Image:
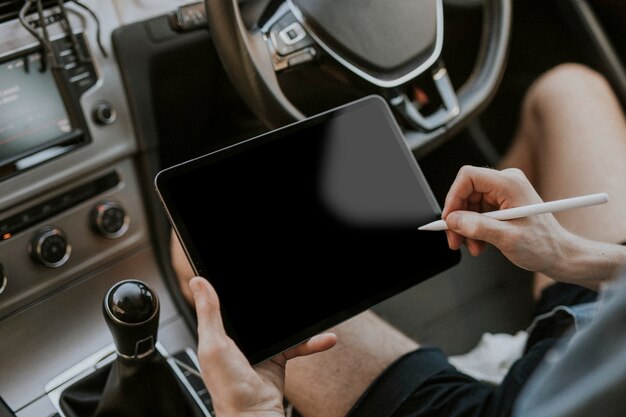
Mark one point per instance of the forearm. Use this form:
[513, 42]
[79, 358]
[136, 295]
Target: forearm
[588, 263]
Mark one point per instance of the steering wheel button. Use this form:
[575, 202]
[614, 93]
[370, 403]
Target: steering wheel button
[292, 34]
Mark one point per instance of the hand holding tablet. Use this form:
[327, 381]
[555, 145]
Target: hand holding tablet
[307, 225]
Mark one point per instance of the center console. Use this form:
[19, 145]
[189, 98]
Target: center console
[73, 217]
[140, 379]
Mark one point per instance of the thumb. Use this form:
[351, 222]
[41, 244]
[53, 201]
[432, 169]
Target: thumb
[210, 324]
[316, 344]
[476, 226]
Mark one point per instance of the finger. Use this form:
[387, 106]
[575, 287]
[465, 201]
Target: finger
[477, 226]
[316, 344]
[455, 240]
[473, 180]
[473, 203]
[475, 247]
[463, 186]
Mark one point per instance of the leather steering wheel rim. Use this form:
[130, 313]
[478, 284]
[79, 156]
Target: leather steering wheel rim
[244, 55]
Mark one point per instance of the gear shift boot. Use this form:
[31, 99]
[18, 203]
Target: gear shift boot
[130, 389]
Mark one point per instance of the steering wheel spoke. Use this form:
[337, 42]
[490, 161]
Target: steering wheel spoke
[448, 110]
[288, 42]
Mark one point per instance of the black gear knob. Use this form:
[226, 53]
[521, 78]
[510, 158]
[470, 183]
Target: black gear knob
[131, 310]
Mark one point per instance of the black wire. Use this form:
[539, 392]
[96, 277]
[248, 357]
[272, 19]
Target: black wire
[22, 18]
[46, 37]
[95, 18]
[44, 41]
[67, 26]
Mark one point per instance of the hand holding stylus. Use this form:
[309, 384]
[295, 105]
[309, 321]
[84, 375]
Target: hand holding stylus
[531, 210]
[532, 242]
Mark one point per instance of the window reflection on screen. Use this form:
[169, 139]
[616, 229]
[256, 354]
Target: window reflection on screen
[32, 112]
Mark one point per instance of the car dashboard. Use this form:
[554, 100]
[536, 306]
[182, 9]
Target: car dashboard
[73, 213]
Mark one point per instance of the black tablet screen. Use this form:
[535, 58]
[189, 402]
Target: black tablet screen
[306, 226]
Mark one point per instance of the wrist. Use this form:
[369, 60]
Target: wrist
[586, 262]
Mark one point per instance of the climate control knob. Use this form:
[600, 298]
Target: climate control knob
[50, 247]
[110, 219]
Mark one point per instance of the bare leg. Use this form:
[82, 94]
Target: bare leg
[572, 141]
[329, 383]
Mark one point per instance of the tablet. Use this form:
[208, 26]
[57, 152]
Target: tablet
[304, 227]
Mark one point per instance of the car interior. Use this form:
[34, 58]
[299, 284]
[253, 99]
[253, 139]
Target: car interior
[98, 96]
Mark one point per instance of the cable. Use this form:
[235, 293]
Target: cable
[22, 18]
[95, 18]
[67, 26]
[45, 39]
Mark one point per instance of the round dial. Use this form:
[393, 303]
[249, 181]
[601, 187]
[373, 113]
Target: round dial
[104, 114]
[50, 247]
[110, 219]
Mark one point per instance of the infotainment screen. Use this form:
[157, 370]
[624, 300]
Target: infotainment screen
[33, 116]
[303, 227]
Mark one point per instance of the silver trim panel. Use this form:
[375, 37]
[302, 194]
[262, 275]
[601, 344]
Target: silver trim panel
[3, 279]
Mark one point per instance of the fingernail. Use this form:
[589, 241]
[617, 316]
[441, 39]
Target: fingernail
[453, 220]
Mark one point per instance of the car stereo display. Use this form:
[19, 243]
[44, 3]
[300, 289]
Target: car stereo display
[33, 116]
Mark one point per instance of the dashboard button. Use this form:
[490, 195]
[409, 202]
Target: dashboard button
[292, 34]
[104, 114]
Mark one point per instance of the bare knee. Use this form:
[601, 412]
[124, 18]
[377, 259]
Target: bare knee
[563, 85]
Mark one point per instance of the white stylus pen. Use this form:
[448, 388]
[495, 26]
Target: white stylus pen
[531, 210]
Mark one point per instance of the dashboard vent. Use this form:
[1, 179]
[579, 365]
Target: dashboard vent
[9, 9]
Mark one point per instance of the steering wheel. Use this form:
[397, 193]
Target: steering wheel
[387, 44]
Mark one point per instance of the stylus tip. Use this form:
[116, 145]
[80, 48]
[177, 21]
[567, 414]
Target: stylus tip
[435, 226]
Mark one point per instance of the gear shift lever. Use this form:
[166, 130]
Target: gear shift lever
[139, 383]
[131, 311]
